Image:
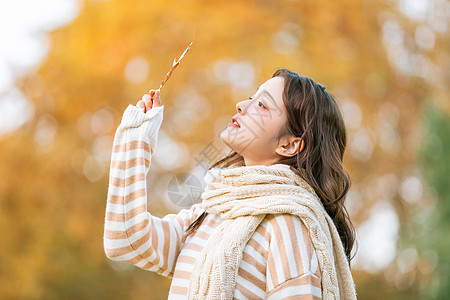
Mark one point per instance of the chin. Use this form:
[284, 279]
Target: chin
[225, 141]
[222, 137]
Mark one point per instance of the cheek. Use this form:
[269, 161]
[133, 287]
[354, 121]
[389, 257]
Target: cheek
[263, 144]
[265, 128]
[269, 132]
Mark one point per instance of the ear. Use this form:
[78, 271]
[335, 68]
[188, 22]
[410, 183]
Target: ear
[290, 146]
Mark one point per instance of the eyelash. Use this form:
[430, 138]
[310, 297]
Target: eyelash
[258, 103]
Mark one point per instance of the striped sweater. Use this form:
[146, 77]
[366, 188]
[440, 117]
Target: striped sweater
[279, 261]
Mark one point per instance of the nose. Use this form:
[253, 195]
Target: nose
[240, 104]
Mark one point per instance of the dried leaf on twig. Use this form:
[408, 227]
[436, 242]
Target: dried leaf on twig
[175, 64]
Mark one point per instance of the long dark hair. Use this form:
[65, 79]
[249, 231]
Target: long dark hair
[315, 117]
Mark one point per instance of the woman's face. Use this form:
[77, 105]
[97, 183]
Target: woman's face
[260, 119]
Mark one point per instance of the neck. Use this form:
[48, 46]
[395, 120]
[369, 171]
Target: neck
[250, 162]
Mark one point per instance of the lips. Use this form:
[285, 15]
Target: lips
[234, 120]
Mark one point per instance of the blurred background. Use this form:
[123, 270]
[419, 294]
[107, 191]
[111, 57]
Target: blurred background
[68, 70]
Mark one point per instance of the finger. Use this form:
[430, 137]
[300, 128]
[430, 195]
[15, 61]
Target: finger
[157, 99]
[152, 95]
[149, 104]
[141, 104]
[147, 101]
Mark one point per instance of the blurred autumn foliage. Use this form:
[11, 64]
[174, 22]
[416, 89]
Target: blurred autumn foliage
[382, 65]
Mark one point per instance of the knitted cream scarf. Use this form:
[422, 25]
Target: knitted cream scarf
[242, 196]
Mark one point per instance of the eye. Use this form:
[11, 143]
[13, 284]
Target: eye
[260, 104]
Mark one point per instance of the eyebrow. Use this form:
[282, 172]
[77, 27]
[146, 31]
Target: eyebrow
[268, 94]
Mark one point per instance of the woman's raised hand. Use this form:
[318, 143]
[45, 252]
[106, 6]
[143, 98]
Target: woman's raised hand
[152, 99]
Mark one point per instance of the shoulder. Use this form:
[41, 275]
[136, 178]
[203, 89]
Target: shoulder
[286, 233]
[186, 215]
[286, 225]
[197, 210]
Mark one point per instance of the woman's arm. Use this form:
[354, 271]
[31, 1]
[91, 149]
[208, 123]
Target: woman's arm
[131, 233]
[292, 266]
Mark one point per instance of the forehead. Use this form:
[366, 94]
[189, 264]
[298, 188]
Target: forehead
[274, 87]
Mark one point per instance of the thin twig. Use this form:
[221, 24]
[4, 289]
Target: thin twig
[175, 64]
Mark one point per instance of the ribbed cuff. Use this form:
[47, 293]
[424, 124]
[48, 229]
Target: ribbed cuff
[135, 116]
[137, 123]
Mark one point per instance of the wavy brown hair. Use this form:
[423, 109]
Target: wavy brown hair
[315, 117]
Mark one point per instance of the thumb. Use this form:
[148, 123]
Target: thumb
[157, 98]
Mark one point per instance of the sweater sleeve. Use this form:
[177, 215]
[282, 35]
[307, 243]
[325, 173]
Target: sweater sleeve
[292, 265]
[131, 233]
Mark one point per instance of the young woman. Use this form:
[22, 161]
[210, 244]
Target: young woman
[271, 223]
